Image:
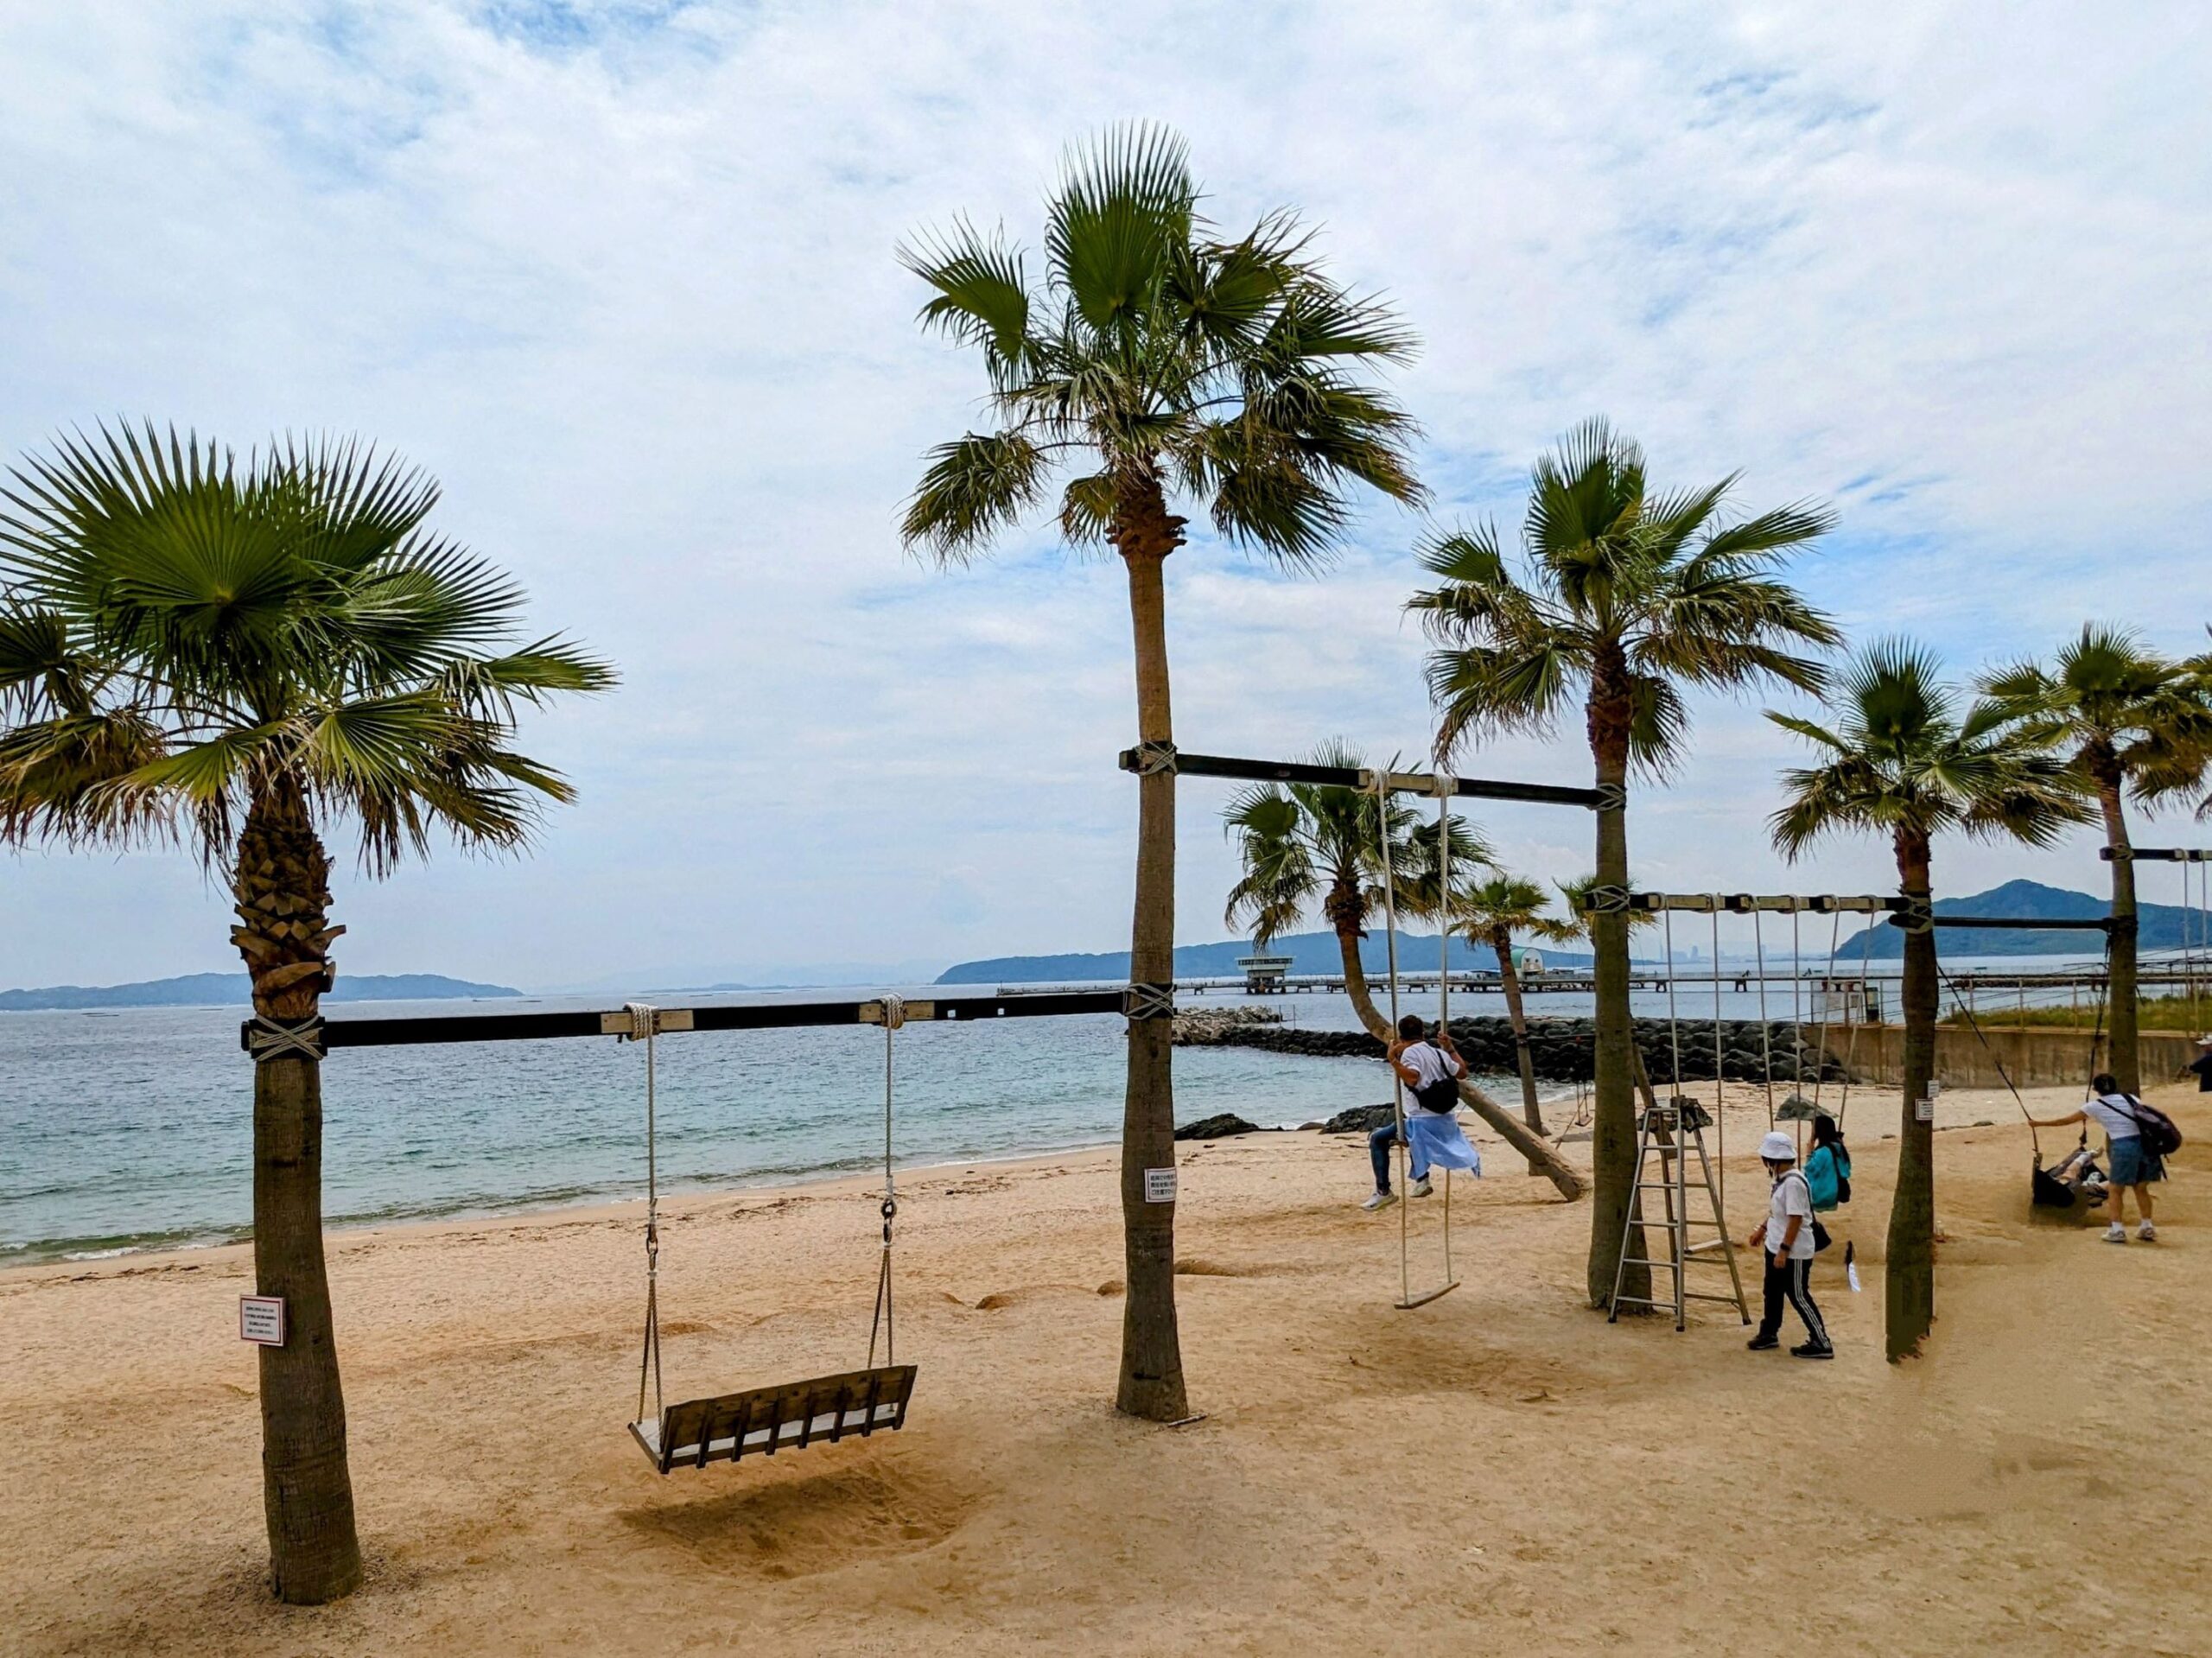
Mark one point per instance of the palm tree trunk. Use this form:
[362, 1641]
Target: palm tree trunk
[1613, 1140]
[1909, 1292]
[1508, 980]
[1151, 1357]
[282, 890]
[1543, 1159]
[2127, 1061]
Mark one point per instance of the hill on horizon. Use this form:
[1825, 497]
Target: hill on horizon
[2162, 926]
[1309, 952]
[232, 990]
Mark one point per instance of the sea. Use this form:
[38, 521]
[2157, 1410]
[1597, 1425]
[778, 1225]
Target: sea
[131, 1130]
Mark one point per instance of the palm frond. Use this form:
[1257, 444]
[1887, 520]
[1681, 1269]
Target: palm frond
[972, 488]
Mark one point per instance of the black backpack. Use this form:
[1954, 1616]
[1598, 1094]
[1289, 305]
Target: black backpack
[1442, 1095]
[2160, 1137]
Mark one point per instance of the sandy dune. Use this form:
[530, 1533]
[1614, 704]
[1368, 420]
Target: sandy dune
[1501, 1467]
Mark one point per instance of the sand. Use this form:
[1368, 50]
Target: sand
[1501, 1469]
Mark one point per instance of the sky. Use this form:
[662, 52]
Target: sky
[622, 276]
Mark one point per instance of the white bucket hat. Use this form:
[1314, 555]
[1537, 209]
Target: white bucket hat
[2205, 1041]
[1778, 1148]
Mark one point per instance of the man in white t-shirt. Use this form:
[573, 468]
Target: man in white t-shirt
[1785, 1240]
[1424, 1064]
[2131, 1168]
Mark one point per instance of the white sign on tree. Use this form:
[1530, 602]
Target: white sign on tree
[261, 1320]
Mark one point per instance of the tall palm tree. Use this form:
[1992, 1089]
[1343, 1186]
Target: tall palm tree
[1491, 909]
[1625, 598]
[1162, 365]
[1899, 757]
[2135, 724]
[246, 654]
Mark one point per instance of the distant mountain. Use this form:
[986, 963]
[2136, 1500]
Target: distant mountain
[1309, 952]
[2161, 926]
[231, 990]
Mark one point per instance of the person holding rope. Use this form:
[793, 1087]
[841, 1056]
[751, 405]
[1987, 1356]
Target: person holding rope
[2131, 1164]
[1431, 1068]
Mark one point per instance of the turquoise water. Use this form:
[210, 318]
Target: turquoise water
[132, 1129]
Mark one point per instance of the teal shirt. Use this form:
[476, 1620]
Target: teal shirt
[1820, 1173]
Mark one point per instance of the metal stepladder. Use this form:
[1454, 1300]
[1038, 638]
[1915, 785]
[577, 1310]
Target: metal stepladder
[1673, 1133]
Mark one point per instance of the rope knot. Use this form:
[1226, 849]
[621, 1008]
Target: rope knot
[271, 1038]
[1149, 759]
[1143, 1001]
[1606, 900]
[1917, 916]
[894, 1012]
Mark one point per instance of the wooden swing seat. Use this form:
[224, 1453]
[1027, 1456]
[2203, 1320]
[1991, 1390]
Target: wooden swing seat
[792, 1415]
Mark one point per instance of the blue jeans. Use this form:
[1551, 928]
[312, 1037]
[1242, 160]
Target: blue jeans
[1378, 1150]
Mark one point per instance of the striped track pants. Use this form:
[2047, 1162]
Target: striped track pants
[1793, 1284]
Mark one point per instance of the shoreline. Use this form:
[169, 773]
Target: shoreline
[338, 1235]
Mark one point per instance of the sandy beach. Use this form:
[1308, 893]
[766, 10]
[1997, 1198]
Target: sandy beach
[1501, 1467]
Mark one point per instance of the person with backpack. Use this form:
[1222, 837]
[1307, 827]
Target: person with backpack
[2138, 1138]
[1430, 1067]
[1827, 1173]
[1785, 1239]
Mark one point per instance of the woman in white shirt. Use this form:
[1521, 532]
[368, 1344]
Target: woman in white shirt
[2129, 1164]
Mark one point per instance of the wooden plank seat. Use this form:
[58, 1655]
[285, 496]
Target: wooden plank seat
[790, 1414]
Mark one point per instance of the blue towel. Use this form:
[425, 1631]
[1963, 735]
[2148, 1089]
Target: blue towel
[1440, 1142]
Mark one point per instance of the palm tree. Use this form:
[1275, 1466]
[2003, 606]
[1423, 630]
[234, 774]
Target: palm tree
[1490, 910]
[244, 654]
[2135, 723]
[1162, 365]
[1900, 758]
[1626, 597]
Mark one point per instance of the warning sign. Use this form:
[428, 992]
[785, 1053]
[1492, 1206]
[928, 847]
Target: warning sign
[261, 1320]
[1160, 1186]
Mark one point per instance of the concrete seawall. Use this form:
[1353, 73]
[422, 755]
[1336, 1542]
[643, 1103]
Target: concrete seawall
[2032, 1056]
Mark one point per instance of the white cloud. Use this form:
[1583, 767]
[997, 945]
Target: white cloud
[620, 276]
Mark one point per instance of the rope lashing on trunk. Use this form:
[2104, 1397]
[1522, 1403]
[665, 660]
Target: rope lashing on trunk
[1606, 900]
[1612, 796]
[894, 1018]
[271, 1038]
[1151, 760]
[1140, 1001]
[1917, 916]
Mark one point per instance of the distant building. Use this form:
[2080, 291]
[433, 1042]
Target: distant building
[1263, 975]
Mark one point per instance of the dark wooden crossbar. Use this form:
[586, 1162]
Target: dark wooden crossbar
[1347, 777]
[759, 1016]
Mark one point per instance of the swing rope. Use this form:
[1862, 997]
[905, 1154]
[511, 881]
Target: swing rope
[1766, 1028]
[645, 1024]
[1445, 788]
[1381, 786]
[894, 1016]
[1719, 1071]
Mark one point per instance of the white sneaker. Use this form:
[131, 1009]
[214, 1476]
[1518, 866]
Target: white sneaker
[1384, 1200]
[2147, 1232]
[2115, 1233]
[1420, 1188]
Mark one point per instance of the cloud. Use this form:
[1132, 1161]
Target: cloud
[620, 275]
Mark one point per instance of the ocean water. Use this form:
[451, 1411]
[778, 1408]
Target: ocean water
[132, 1129]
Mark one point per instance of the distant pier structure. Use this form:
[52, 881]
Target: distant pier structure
[1264, 974]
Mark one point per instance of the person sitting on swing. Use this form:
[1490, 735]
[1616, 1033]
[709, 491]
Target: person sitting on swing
[2132, 1167]
[1430, 1067]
